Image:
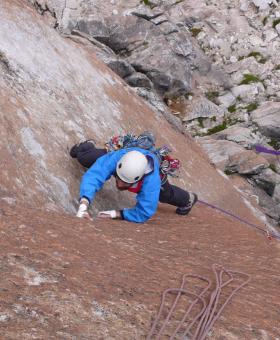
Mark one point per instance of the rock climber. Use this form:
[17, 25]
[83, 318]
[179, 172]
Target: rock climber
[136, 170]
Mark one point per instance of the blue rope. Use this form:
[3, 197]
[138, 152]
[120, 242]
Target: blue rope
[266, 232]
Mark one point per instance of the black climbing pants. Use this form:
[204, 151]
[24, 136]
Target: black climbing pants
[86, 154]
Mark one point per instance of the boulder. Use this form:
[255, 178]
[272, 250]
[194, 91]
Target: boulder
[273, 212]
[168, 27]
[125, 36]
[250, 65]
[267, 118]
[200, 107]
[270, 35]
[170, 71]
[201, 115]
[269, 205]
[248, 92]
[246, 163]
[219, 151]
[226, 99]
[241, 135]
[120, 67]
[262, 4]
[138, 79]
[96, 29]
[141, 43]
[268, 180]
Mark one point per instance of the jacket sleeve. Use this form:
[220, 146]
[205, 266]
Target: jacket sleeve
[98, 174]
[147, 200]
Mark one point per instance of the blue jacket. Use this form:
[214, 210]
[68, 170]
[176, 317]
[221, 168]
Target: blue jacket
[105, 166]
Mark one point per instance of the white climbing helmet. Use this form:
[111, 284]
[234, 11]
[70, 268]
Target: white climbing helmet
[132, 167]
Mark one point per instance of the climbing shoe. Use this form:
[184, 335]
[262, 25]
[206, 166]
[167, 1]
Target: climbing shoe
[74, 150]
[185, 210]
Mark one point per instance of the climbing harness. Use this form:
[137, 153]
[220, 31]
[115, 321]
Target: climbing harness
[197, 326]
[168, 166]
[267, 233]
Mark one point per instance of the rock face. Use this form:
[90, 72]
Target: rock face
[65, 278]
[51, 100]
[220, 70]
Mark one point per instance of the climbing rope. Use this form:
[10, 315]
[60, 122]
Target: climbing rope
[203, 321]
[180, 291]
[260, 148]
[269, 234]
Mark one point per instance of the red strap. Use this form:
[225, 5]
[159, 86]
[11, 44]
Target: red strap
[136, 187]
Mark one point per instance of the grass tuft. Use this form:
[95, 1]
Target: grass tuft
[232, 108]
[212, 95]
[195, 31]
[249, 78]
[251, 107]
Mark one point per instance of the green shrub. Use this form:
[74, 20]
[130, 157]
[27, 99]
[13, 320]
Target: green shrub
[258, 56]
[232, 108]
[249, 78]
[275, 143]
[275, 23]
[251, 107]
[217, 128]
[226, 123]
[148, 3]
[212, 95]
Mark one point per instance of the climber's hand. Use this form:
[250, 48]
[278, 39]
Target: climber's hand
[83, 209]
[114, 214]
